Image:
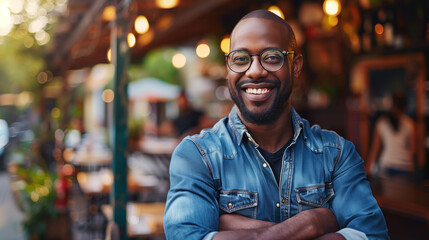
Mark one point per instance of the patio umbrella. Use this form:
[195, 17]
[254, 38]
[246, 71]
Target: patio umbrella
[152, 89]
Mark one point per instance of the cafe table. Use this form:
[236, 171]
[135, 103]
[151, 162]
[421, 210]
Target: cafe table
[144, 220]
[405, 205]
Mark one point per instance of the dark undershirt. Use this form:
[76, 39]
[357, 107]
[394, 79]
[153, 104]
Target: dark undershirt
[275, 159]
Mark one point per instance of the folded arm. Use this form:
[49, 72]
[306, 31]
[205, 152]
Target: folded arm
[308, 224]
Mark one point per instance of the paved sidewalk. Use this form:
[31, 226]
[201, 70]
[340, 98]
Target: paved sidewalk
[10, 216]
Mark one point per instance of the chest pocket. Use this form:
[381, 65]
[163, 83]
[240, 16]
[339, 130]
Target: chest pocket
[314, 196]
[239, 201]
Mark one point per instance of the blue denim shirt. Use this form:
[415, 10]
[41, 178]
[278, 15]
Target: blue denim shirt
[221, 171]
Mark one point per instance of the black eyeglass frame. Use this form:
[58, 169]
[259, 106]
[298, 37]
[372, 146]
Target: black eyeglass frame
[259, 58]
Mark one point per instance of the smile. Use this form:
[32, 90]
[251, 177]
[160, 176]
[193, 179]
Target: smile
[257, 91]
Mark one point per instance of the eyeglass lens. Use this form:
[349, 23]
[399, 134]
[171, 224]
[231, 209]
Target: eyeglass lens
[270, 59]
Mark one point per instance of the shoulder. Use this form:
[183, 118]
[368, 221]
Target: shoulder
[218, 138]
[320, 138]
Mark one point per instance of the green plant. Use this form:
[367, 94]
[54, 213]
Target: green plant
[36, 193]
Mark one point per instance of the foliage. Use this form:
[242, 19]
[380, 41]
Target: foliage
[19, 66]
[157, 64]
[37, 196]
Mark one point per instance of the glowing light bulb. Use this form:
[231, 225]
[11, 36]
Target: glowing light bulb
[332, 7]
[109, 55]
[167, 3]
[141, 24]
[203, 50]
[131, 39]
[225, 44]
[179, 60]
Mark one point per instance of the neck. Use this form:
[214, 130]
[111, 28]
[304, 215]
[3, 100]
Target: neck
[271, 137]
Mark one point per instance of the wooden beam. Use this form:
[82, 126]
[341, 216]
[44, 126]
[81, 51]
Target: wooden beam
[81, 29]
[183, 20]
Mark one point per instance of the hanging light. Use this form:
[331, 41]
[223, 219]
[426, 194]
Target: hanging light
[131, 39]
[109, 13]
[276, 10]
[178, 60]
[109, 55]
[203, 50]
[379, 29]
[167, 3]
[108, 95]
[225, 44]
[141, 24]
[332, 7]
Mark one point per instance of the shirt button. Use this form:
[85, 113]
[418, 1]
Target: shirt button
[283, 200]
[277, 204]
[250, 139]
[230, 205]
[264, 165]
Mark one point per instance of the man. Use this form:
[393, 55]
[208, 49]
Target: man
[262, 172]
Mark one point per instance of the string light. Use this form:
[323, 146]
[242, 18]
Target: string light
[141, 24]
[109, 13]
[225, 44]
[332, 7]
[131, 39]
[109, 55]
[178, 60]
[203, 50]
[167, 3]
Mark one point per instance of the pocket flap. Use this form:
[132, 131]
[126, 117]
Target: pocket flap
[315, 195]
[234, 200]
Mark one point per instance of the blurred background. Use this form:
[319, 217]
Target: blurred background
[95, 95]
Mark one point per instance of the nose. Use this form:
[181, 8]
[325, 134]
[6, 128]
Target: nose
[256, 70]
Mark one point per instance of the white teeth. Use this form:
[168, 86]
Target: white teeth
[257, 90]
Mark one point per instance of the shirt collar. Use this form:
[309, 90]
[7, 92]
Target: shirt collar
[240, 130]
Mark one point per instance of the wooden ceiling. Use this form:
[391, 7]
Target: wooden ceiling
[82, 38]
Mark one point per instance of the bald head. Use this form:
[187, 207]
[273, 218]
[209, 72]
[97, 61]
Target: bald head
[267, 15]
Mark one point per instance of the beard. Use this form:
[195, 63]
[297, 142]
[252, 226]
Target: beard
[271, 114]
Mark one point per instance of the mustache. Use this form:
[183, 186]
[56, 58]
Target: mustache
[239, 84]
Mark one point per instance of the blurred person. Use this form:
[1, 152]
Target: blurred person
[393, 146]
[190, 120]
[263, 172]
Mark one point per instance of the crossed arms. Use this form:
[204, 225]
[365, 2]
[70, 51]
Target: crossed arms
[318, 223]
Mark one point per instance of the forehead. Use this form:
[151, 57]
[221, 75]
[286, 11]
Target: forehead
[257, 34]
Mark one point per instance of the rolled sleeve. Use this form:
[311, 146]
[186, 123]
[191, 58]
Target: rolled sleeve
[352, 234]
[192, 210]
[354, 205]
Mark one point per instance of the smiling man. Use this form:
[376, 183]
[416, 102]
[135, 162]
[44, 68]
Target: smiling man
[263, 172]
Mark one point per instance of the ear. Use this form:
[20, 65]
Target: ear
[298, 61]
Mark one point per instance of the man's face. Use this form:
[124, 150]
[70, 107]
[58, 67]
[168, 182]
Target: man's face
[261, 96]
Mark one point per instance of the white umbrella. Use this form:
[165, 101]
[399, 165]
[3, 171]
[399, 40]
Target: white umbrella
[152, 88]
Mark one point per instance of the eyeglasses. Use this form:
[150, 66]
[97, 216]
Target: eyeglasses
[271, 59]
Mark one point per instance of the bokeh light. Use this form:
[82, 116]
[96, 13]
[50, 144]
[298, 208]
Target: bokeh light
[225, 44]
[167, 3]
[5, 19]
[109, 55]
[108, 95]
[332, 7]
[379, 29]
[55, 112]
[141, 24]
[109, 13]
[203, 50]
[179, 60]
[131, 39]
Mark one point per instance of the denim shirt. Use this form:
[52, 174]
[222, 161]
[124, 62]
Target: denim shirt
[221, 171]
